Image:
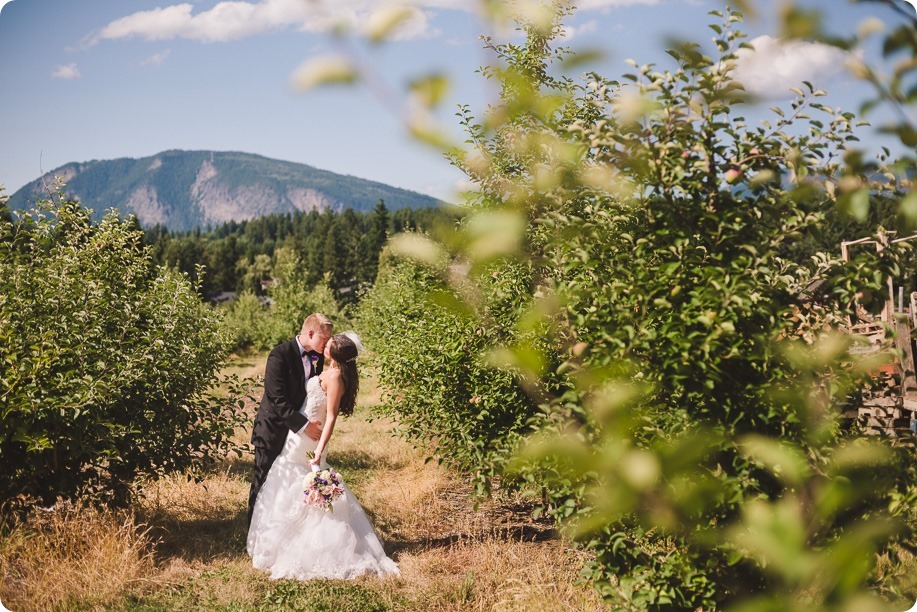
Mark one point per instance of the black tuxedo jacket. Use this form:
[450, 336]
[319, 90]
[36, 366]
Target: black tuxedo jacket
[284, 393]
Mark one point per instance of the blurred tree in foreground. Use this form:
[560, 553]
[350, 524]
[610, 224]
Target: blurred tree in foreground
[675, 380]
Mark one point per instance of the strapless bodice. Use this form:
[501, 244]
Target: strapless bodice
[314, 408]
[298, 448]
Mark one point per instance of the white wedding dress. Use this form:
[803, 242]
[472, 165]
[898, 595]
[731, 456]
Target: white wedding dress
[291, 539]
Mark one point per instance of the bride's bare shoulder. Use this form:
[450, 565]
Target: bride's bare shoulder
[331, 374]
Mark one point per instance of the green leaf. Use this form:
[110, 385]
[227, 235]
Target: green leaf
[430, 90]
[908, 208]
[855, 204]
[494, 234]
[325, 70]
[783, 460]
[383, 22]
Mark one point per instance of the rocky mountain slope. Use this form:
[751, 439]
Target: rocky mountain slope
[187, 189]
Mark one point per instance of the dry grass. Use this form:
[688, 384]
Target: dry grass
[452, 555]
[71, 556]
[196, 521]
[183, 544]
[496, 574]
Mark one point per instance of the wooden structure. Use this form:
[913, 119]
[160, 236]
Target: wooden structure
[889, 409]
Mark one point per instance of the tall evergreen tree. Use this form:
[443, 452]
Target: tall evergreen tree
[375, 240]
[333, 264]
[222, 255]
[351, 250]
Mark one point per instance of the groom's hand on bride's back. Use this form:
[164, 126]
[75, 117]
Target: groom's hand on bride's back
[313, 430]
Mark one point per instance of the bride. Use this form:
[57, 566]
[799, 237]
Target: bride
[291, 539]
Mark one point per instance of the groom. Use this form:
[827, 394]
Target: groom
[289, 366]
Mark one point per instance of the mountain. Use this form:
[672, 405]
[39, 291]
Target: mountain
[184, 190]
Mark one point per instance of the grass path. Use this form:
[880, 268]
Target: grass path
[183, 546]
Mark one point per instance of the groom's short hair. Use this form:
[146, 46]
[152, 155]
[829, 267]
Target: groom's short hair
[317, 322]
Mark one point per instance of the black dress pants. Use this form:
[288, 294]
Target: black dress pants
[264, 459]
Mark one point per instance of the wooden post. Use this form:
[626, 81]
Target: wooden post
[888, 312]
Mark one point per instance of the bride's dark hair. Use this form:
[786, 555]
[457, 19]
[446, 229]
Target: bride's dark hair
[344, 352]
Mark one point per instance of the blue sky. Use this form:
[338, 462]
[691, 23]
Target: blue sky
[101, 79]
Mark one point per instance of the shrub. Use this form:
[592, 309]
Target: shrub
[430, 357]
[106, 361]
[293, 298]
[246, 318]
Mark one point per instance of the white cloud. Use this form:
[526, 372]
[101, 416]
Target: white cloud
[225, 21]
[472, 5]
[69, 71]
[236, 19]
[463, 185]
[776, 65]
[592, 5]
[588, 26]
[572, 31]
[157, 58]
[416, 26]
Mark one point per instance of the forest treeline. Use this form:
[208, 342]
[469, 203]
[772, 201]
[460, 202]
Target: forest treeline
[340, 248]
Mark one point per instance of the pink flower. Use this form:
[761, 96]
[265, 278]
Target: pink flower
[321, 488]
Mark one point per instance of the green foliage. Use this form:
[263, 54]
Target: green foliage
[5, 214]
[293, 299]
[893, 79]
[260, 323]
[626, 262]
[248, 322]
[107, 362]
[376, 237]
[430, 358]
[896, 88]
[251, 273]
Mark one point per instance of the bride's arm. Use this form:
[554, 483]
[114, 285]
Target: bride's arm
[334, 392]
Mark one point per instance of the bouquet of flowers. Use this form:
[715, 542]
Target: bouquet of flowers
[322, 488]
